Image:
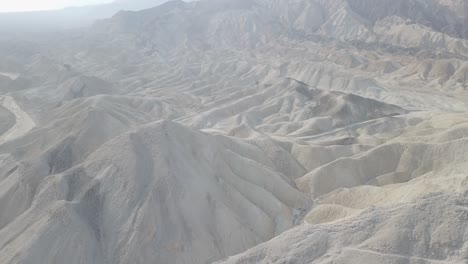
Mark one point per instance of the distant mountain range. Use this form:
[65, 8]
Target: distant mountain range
[68, 18]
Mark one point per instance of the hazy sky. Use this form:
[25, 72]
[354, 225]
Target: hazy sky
[29, 5]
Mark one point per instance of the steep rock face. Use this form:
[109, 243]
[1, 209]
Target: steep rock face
[175, 23]
[252, 23]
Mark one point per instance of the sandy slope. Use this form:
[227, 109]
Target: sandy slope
[410, 176]
[161, 192]
[419, 232]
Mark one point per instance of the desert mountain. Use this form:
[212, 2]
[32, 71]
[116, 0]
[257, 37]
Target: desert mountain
[238, 131]
[185, 186]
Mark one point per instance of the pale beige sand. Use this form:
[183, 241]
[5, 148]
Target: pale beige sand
[239, 131]
[23, 123]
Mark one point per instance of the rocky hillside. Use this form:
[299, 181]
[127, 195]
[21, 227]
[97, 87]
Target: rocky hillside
[239, 131]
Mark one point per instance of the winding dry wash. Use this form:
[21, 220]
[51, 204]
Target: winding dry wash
[236, 132]
[23, 122]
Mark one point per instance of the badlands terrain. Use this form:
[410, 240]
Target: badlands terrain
[239, 131]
